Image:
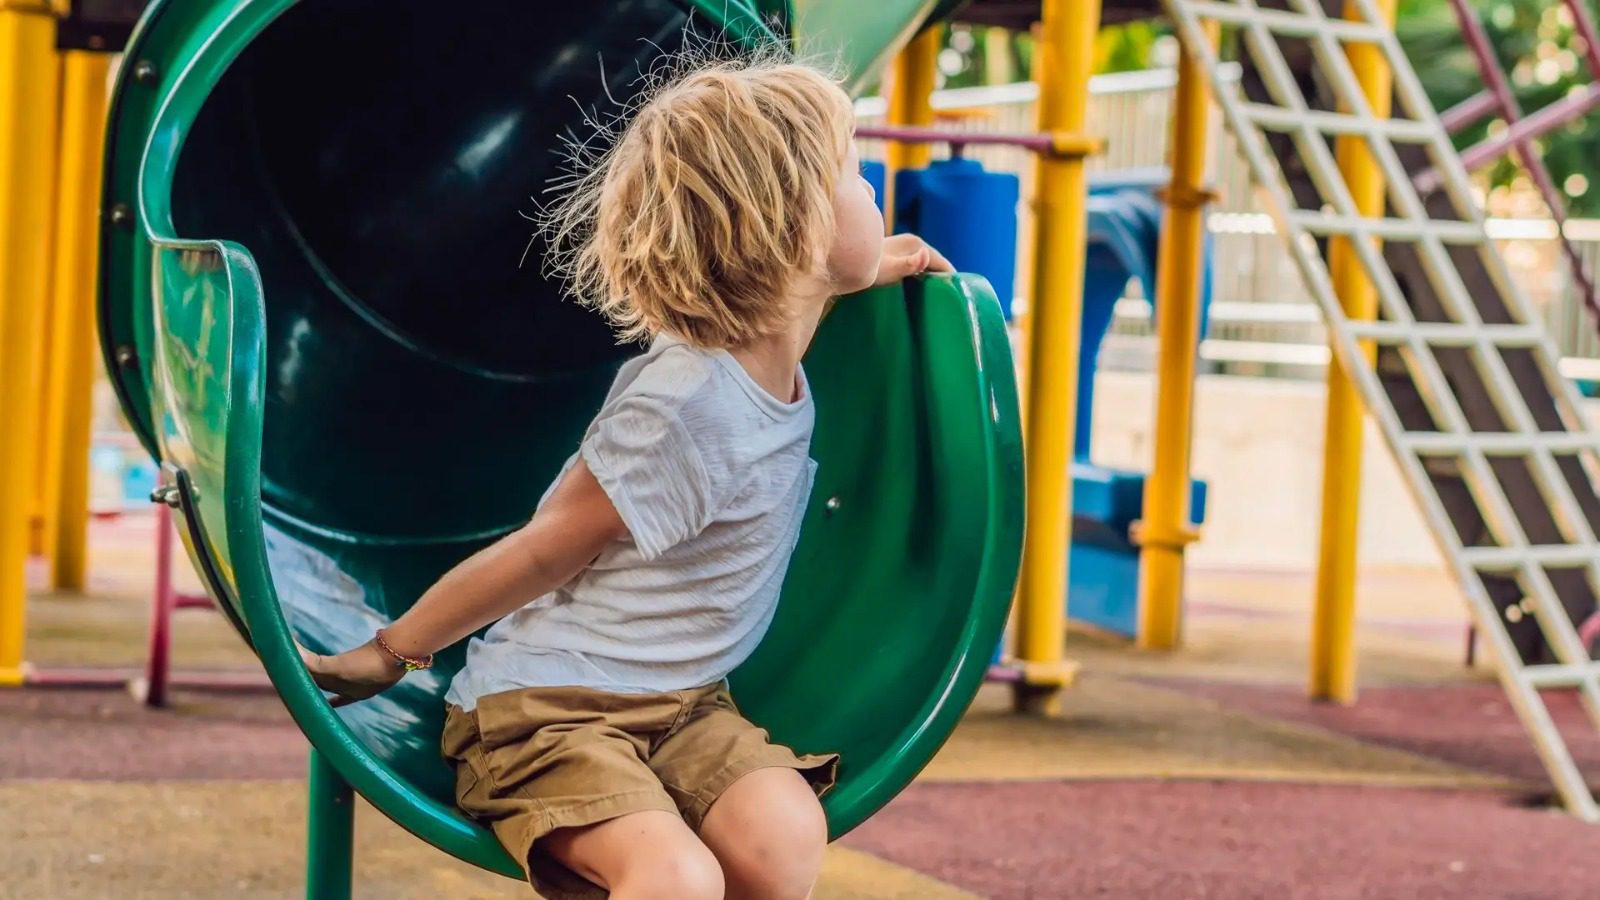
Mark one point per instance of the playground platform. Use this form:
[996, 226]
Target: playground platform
[1203, 773]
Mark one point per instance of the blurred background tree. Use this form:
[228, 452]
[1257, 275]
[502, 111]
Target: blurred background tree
[978, 55]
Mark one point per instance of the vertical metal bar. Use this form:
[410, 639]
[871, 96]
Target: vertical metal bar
[1583, 24]
[1488, 64]
[72, 359]
[1333, 628]
[29, 85]
[1055, 309]
[913, 78]
[1166, 528]
[330, 829]
[163, 602]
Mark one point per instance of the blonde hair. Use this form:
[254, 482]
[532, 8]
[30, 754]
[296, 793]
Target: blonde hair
[715, 196]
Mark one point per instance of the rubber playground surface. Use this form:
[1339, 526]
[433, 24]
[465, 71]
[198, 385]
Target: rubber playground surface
[1203, 774]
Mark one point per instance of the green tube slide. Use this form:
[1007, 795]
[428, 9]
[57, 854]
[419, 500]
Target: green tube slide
[322, 314]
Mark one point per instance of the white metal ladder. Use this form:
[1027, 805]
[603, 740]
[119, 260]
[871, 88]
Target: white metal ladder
[1464, 383]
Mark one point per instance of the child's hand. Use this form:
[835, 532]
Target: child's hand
[905, 255]
[353, 675]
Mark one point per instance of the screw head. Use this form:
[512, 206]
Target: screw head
[145, 72]
[832, 506]
[125, 356]
[121, 215]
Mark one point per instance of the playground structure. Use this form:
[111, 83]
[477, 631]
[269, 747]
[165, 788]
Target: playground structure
[283, 528]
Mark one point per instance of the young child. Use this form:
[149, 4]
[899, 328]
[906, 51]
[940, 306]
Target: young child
[591, 727]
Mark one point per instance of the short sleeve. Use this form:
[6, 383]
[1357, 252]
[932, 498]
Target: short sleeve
[647, 463]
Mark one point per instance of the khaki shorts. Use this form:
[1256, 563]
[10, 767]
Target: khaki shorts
[529, 762]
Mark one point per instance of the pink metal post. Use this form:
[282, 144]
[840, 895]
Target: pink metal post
[154, 684]
[911, 134]
[158, 659]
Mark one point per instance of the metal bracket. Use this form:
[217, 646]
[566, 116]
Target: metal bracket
[1068, 145]
[1059, 674]
[1143, 535]
[1178, 196]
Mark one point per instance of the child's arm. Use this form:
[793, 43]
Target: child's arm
[564, 537]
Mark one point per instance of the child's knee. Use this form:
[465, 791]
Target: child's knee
[782, 856]
[804, 836]
[671, 873]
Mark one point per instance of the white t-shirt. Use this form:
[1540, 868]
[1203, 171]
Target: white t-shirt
[711, 475]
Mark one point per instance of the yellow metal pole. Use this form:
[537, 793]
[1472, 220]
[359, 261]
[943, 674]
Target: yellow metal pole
[28, 107]
[40, 524]
[1027, 262]
[1166, 529]
[37, 513]
[65, 468]
[1055, 309]
[1333, 627]
[912, 80]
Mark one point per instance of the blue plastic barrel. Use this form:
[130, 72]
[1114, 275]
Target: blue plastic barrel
[876, 174]
[968, 213]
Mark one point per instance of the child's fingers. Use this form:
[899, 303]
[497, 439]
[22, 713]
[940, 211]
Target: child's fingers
[894, 267]
[937, 262]
[312, 661]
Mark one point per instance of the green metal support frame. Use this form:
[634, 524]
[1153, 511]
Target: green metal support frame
[330, 831]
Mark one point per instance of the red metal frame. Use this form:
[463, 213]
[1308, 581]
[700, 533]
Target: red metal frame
[912, 134]
[153, 684]
[1498, 99]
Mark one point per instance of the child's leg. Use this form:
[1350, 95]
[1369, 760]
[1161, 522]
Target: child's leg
[641, 855]
[768, 832]
[754, 803]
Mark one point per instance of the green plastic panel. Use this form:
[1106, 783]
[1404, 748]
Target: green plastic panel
[861, 36]
[319, 315]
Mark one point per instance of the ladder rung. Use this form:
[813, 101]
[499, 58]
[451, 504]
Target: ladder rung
[1443, 334]
[1510, 443]
[1500, 559]
[1332, 224]
[1389, 334]
[1277, 118]
[1559, 676]
[1288, 23]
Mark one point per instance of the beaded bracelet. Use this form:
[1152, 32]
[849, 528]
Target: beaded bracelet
[401, 661]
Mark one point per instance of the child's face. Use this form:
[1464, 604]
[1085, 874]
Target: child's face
[858, 230]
